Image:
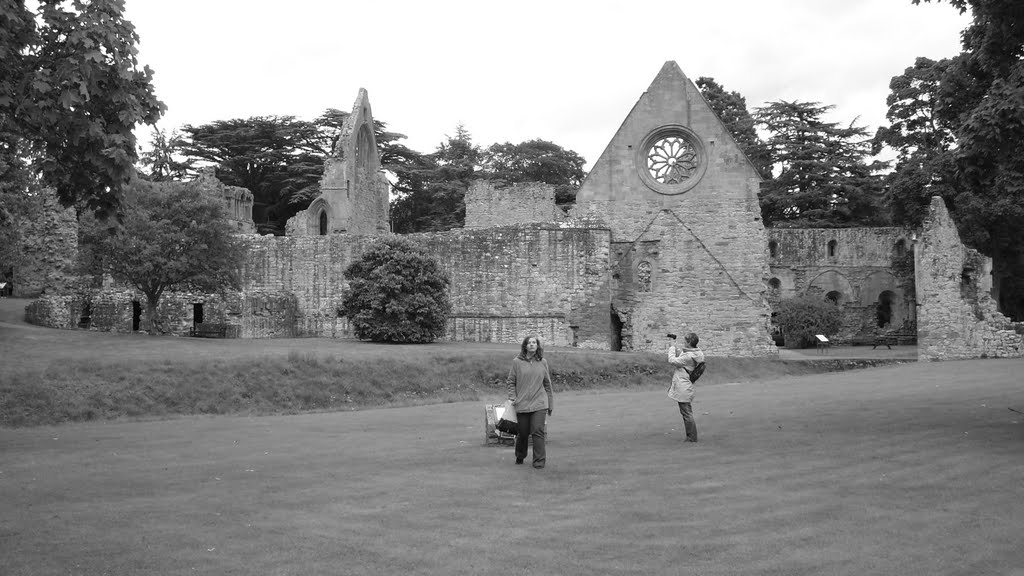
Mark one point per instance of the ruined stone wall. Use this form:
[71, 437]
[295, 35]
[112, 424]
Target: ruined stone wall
[701, 211]
[48, 250]
[957, 317]
[488, 206]
[855, 265]
[512, 281]
[506, 282]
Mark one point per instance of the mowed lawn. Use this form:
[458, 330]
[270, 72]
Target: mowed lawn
[911, 469]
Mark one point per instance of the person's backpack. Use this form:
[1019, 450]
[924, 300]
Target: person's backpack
[697, 371]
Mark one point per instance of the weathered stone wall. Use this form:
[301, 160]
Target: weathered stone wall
[506, 282]
[237, 202]
[957, 317]
[855, 265]
[700, 236]
[48, 250]
[489, 206]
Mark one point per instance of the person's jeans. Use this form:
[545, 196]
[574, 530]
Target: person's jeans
[691, 426]
[531, 424]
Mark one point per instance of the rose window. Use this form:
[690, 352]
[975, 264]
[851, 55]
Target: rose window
[672, 160]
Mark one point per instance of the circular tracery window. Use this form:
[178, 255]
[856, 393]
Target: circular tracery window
[671, 160]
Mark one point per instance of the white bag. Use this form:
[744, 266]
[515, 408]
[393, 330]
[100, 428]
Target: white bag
[507, 423]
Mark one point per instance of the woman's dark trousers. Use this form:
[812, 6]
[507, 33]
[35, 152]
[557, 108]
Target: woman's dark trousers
[531, 425]
[691, 426]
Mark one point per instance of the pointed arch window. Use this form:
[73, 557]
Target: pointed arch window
[323, 223]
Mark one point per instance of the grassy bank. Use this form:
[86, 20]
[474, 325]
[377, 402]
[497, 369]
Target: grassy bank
[351, 377]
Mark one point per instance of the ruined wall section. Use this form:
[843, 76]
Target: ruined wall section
[490, 205]
[858, 264]
[710, 270]
[517, 280]
[238, 202]
[353, 190]
[506, 282]
[48, 248]
[957, 317]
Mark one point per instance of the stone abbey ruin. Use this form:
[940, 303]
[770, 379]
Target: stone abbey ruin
[665, 236]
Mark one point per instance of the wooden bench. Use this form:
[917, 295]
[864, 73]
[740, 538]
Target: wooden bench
[887, 340]
[209, 330]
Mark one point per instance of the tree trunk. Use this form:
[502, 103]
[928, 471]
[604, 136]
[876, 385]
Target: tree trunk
[155, 323]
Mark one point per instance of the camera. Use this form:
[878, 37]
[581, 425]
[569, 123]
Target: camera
[672, 336]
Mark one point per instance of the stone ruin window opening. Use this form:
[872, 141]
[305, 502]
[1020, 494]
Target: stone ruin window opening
[323, 223]
[883, 312]
[643, 276]
[773, 249]
[832, 248]
[774, 285]
[900, 249]
[197, 313]
[834, 297]
[136, 315]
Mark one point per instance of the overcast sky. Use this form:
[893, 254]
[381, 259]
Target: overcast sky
[511, 71]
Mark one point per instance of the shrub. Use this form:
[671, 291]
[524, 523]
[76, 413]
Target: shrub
[802, 317]
[397, 293]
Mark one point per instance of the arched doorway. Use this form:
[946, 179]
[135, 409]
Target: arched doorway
[883, 310]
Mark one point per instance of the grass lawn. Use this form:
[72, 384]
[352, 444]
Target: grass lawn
[910, 469]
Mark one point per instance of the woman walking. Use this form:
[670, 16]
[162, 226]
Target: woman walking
[529, 389]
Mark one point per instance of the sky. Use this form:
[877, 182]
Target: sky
[564, 71]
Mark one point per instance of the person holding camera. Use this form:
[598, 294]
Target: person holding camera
[682, 389]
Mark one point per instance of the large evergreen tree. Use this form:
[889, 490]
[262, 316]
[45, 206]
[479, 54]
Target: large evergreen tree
[823, 176]
[432, 192]
[731, 108]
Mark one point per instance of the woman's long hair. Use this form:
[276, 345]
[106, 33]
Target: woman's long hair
[539, 355]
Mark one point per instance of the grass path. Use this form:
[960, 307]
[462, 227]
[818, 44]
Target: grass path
[911, 469]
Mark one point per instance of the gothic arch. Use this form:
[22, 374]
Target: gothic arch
[320, 217]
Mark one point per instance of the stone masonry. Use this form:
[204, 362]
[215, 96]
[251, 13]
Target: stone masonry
[857, 268]
[680, 199]
[957, 317]
[488, 205]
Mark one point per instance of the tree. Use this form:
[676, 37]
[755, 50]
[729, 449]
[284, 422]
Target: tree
[280, 159]
[72, 92]
[922, 139]
[397, 293]
[731, 108]
[437, 185]
[981, 95]
[171, 237]
[537, 161]
[161, 159]
[801, 318]
[823, 177]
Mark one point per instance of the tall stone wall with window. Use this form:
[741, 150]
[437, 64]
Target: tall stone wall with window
[867, 272]
[680, 199]
[957, 317]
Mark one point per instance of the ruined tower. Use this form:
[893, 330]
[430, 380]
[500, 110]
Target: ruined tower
[353, 191]
[688, 245]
